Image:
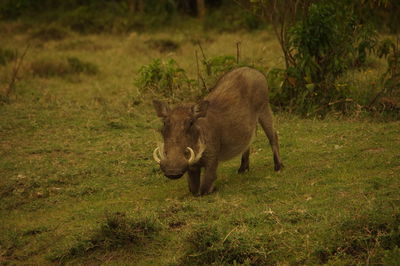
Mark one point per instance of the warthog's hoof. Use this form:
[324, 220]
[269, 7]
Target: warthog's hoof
[278, 167]
[242, 170]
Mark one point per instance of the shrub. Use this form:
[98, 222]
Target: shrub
[320, 48]
[165, 78]
[387, 101]
[219, 65]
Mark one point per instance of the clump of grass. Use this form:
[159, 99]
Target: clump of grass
[116, 231]
[78, 66]
[47, 68]
[50, 33]
[208, 245]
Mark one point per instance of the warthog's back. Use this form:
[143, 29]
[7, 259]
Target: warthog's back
[239, 88]
[235, 104]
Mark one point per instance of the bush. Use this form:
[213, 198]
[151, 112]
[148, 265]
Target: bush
[165, 78]
[387, 101]
[322, 46]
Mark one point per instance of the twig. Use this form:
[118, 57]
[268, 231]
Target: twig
[198, 68]
[204, 59]
[237, 52]
[378, 95]
[16, 68]
[199, 76]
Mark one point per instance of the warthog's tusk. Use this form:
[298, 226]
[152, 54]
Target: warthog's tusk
[155, 156]
[192, 156]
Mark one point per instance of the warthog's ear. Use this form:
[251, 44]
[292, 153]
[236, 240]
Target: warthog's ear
[200, 109]
[162, 108]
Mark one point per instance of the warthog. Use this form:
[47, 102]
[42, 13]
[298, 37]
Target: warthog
[218, 128]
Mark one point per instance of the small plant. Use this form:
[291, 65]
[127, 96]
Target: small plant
[219, 65]
[165, 78]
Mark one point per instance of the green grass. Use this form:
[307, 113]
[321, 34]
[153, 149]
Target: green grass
[78, 184]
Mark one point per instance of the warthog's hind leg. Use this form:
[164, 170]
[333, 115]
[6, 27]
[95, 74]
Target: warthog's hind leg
[266, 121]
[244, 164]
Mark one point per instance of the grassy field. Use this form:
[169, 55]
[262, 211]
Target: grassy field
[78, 184]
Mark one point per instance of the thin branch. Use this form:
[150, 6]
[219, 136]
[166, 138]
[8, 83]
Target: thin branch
[204, 59]
[237, 52]
[198, 68]
[199, 76]
[16, 68]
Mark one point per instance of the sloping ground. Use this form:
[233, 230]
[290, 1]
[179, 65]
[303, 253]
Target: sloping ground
[78, 184]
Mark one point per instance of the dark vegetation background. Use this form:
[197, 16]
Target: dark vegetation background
[77, 130]
[323, 42]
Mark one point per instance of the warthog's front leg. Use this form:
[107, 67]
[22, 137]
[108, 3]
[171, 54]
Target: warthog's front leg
[244, 164]
[210, 174]
[194, 179]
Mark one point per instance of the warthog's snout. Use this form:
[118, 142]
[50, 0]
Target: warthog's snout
[175, 166]
[174, 176]
[173, 173]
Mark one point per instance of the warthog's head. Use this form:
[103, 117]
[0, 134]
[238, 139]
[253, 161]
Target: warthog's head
[181, 137]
